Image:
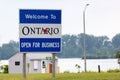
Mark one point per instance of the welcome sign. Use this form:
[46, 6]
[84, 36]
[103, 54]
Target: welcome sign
[40, 30]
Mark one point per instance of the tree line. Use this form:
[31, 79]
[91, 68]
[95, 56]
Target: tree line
[72, 47]
[96, 47]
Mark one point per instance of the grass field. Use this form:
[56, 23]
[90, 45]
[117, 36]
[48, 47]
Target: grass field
[64, 76]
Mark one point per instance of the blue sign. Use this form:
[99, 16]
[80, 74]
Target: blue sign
[40, 45]
[40, 30]
[40, 16]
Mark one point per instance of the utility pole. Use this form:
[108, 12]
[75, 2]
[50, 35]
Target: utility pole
[84, 37]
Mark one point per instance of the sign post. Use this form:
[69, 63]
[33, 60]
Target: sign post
[53, 66]
[24, 66]
[40, 31]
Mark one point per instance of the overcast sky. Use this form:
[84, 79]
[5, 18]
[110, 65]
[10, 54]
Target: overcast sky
[102, 16]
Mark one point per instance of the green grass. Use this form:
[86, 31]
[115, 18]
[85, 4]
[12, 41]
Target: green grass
[64, 76]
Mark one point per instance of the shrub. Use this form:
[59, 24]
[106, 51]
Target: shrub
[115, 70]
[78, 67]
[5, 67]
[66, 71]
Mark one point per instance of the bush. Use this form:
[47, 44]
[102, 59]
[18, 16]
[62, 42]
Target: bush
[78, 67]
[115, 70]
[5, 67]
[66, 71]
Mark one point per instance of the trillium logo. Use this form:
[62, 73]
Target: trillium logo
[39, 30]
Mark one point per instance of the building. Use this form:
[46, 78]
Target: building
[35, 63]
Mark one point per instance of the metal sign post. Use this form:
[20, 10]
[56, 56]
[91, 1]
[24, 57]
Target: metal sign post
[24, 66]
[53, 66]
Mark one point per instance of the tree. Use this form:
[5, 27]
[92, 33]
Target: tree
[72, 47]
[0, 53]
[28, 66]
[7, 50]
[118, 56]
[116, 41]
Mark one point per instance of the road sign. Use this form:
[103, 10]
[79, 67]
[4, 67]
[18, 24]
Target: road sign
[40, 30]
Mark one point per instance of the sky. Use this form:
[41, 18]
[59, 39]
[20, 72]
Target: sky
[102, 16]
